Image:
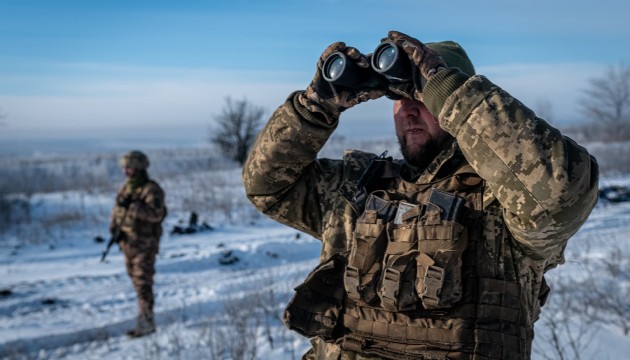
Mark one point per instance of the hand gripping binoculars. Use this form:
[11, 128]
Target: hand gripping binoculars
[389, 65]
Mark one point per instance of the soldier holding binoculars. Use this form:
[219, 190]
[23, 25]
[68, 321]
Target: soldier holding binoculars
[441, 254]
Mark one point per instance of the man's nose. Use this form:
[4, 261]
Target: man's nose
[410, 107]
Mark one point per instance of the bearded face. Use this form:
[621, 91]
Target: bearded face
[420, 156]
[419, 134]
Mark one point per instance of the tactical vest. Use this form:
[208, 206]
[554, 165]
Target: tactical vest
[415, 283]
[132, 226]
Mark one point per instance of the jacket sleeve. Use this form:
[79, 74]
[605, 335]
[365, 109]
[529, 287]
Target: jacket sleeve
[283, 177]
[545, 182]
[117, 211]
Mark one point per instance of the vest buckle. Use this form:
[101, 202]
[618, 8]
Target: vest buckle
[351, 282]
[433, 281]
[390, 288]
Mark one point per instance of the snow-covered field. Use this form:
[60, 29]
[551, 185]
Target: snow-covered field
[64, 303]
[58, 301]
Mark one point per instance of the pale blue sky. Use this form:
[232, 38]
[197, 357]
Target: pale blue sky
[163, 68]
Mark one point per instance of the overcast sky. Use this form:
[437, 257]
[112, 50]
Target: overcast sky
[164, 68]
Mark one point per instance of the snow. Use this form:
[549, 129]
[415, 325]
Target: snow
[61, 302]
[94, 302]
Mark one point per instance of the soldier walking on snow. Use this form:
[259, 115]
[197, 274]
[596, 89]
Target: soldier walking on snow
[439, 255]
[137, 216]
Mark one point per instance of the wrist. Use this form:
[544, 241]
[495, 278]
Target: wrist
[435, 70]
[316, 110]
[440, 85]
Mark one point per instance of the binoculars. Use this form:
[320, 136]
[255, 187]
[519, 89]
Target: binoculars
[389, 65]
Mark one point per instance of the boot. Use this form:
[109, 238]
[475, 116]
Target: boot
[144, 326]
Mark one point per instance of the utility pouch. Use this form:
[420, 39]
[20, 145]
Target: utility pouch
[441, 242]
[397, 287]
[368, 244]
[315, 307]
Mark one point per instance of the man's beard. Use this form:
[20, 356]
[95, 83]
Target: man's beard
[421, 156]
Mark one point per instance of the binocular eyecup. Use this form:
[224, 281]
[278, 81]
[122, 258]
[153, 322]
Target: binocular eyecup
[389, 65]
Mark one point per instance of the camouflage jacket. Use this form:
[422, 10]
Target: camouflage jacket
[544, 184]
[141, 222]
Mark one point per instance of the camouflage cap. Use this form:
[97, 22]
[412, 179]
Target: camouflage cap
[135, 159]
[454, 55]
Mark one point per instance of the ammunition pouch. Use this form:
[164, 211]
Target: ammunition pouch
[316, 305]
[403, 255]
[440, 245]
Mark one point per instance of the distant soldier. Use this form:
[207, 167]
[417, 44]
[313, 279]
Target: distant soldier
[441, 254]
[137, 216]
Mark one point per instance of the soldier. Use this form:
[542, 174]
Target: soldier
[138, 214]
[440, 255]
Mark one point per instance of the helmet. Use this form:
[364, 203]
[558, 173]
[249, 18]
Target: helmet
[135, 159]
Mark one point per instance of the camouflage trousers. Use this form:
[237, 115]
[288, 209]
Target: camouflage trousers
[140, 265]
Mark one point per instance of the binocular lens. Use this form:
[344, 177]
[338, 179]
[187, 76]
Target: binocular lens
[392, 62]
[386, 58]
[340, 70]
[334, 67]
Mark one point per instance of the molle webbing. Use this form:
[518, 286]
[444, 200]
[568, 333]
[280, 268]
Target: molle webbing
[467, 328]
[395, 350]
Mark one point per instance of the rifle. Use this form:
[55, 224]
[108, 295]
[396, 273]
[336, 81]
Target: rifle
[116, 237]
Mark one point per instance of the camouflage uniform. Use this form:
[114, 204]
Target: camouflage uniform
[140, 226]
[527, 188]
